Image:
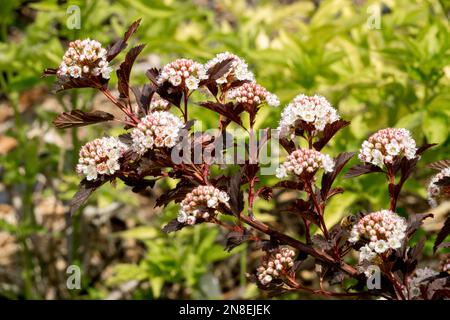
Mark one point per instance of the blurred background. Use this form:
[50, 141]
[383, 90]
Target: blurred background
[379, 63]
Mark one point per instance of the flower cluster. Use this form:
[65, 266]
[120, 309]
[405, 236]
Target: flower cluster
[434, 190]
[238, 70]
[201, 202]
[387, 145]
[157, 129]
[183, 72]
[315, 110]
[383, 229]
[159, 104]
[100, 156]
[305, 160]
[85, 58]
[274, 263]
[420, 276]
[253, 94]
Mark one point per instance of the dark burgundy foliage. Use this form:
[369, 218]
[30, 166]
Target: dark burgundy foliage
[124, 71]
[330, 130]
[443, 233]
[121, 44]
[304, 208]
[85, 189]
[360, 169]
[78, 118]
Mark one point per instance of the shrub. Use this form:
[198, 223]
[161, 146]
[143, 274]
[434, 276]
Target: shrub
[159, 145]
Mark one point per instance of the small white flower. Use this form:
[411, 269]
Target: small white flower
[212, 203]
[281, 172]
[182, 216]
[90, 172]
[394, 243]
[192, 83]
[381, 246]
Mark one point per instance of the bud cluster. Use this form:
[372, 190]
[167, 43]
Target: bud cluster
[238, 70]
[85, 58]
[383, 229]
[304, 161]
[201, 202]
[434, 190]
[274, 264]
[253, 94]
[315, 110]
[100, 156]
[387, 145]
[159, 104]
[183, 72]
[157, 129]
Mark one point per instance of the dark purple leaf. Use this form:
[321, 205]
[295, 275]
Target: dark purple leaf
[119, 45]
[236, 238]
[176, 194]
[218, 70]
[361, 169]
[415, 221]
[124, 71]
[425, 147]
[443, 233]
[78, 118]
[235, 193]
[288, 145]
[228, 110]
[144, 97]
[439, 165]
[173, 226]
[339, 162]
[85, 189]
[330, 130]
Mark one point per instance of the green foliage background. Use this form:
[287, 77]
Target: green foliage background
[397, 75]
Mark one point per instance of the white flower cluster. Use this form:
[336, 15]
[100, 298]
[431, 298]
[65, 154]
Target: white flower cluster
[305, 160]
[157, 129]
[387, 145]
[274, 263]
[238, 71]
[100, 156]
[183, 72]
[315, 110]
[383, 229]
[201, 202]
[434, 190]
[253, 94]
[420, 276]
[159, 104]
[85, 58]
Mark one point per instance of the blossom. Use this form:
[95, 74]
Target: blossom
[253, 95]
[238, 68]
[100, 157]
[159, 104]
[420, 276]
[183, 72]
[202, 202]
[433, 189]
[274, 264]
[305, 161]
[157, 129]
[85, 58]
[315, 110]
[383, 229]
[387, 145]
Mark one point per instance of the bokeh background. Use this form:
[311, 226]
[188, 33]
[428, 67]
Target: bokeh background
[379, 63]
